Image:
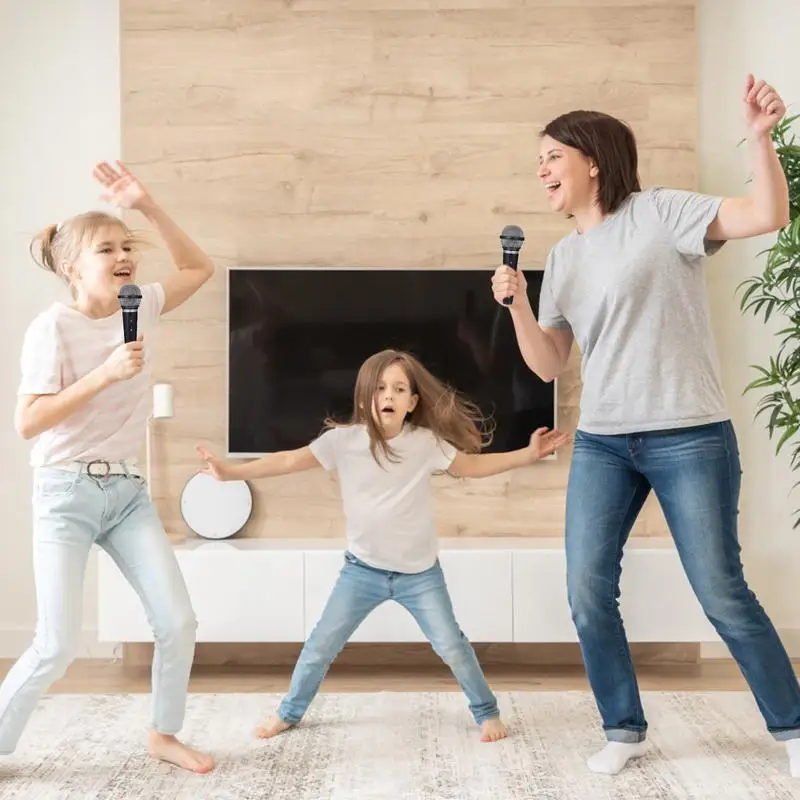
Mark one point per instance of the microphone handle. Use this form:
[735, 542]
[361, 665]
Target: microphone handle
[129, 324]
[510, 259]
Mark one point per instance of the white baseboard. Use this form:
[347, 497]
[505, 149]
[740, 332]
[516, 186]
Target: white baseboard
[15, 641]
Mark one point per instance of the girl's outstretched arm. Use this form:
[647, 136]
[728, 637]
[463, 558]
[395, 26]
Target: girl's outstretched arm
[267, 466]
[482, 465]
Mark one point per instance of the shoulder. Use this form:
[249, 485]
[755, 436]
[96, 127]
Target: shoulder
[153, 297]
[49, 321]
[562, 252]
[342, 434]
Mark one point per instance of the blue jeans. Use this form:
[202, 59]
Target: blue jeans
[696, 475]
[360, 589]
[73, 511]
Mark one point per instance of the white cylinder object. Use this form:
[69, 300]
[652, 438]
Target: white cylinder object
[163, 407]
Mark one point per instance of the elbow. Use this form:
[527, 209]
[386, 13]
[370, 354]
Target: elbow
[548, 376]
[780, 217]
[206, 270]
[25, 428]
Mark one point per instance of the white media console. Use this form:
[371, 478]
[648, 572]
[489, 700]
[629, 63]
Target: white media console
[503, 590]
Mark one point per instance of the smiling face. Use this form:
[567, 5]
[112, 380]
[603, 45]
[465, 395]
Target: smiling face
[393, 399]
[569, 176]
[105, 263]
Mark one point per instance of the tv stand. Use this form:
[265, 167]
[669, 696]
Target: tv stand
[503, 590]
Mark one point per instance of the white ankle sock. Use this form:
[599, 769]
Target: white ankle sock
[793, 749]
[615, 755]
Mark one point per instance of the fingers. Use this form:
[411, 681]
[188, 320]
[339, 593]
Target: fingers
[748, 85]
[105, 174]
[505, 283]
[757, 86]
[205, 453]
[124, 170]
[760, 93]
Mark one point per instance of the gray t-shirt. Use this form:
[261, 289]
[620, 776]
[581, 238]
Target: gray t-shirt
[633, 292]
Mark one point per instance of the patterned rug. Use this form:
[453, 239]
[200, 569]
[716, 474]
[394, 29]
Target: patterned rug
[398, 746]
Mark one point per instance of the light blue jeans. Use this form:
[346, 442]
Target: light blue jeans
[72, 511]
[360, 589]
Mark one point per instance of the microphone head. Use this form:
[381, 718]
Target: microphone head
[512, 238]
[129, 296]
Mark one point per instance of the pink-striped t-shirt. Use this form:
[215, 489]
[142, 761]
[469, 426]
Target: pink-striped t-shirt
[61, 346]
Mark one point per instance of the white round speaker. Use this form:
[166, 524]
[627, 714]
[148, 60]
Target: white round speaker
[215, 509]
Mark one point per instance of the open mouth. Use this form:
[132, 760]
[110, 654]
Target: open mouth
[123, 272]
[387, 410]
[552, 186]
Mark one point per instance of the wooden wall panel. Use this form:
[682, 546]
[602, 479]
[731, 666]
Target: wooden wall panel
[379, 132]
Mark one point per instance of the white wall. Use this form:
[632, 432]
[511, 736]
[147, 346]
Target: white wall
[737, 36]
[61, 114]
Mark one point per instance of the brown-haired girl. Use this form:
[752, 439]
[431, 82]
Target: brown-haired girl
[406, 426]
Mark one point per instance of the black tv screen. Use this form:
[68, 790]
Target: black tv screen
[297, 337]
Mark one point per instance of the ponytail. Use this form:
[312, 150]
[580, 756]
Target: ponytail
[43, 251]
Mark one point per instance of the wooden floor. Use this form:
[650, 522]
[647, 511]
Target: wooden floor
[103, 677]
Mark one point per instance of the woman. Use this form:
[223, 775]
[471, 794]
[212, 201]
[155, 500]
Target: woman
[628, 286]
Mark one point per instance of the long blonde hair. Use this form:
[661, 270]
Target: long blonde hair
[439, 408]
[56, 245]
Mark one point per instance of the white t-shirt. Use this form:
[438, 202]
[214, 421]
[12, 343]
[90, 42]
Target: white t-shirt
[62, 345]
[388, 506]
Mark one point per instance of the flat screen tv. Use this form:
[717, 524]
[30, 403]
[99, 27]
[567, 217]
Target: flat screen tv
[297, 337]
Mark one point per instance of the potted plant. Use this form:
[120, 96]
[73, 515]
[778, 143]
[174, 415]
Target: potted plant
[777, 291]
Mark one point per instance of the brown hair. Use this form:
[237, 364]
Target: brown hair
[439, 408]
[610, 143]
[57, 244]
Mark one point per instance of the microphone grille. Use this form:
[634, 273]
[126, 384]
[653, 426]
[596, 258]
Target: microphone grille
[512, 238]
[129, 296]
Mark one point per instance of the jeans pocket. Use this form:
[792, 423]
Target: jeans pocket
[55, 483]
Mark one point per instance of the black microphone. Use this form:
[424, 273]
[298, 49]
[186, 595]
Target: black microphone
[511, 240]
[130, 295]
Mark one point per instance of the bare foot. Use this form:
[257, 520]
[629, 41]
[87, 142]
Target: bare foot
[168, 748]
[272, 727]
[493, 730]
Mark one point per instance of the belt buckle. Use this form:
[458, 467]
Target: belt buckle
[102, 463]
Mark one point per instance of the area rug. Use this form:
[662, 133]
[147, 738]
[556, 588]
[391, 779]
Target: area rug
[398, 746]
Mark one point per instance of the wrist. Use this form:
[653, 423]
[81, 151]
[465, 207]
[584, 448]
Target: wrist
[521, 305]
[148, 208]
[234, 472]
[103, 377]
[759, 138]
[527, 456]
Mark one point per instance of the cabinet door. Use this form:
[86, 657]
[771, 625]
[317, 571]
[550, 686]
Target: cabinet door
[480, 586]
[656, 602]
[238, 596]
